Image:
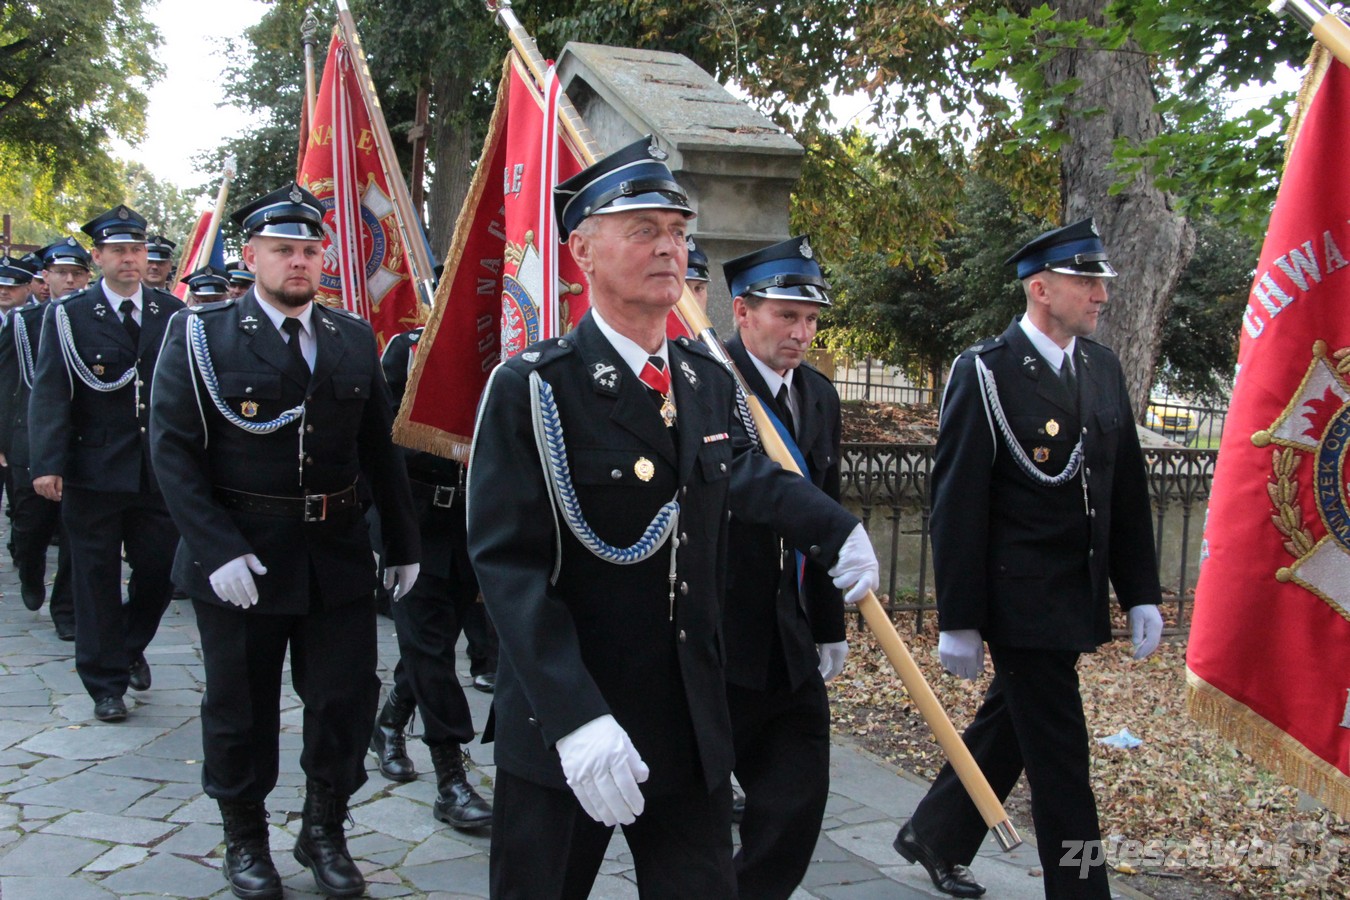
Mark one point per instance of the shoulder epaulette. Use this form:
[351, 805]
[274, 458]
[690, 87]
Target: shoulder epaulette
[984, 346]
[695, 346]
[214, 306]
[543, 352]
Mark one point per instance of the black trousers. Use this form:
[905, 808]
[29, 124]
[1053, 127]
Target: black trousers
[35, 519]
[333, 661]
[481, 638]
[545, 847]
[1032, 719]
[782, 740]
[98, 524]
[428, 622]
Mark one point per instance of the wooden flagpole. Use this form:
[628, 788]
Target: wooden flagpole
[203, 252]
[991, 809]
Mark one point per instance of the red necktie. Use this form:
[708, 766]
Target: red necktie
[655, 376]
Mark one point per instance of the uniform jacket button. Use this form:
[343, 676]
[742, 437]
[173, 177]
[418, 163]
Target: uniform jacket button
[684, 588]
[309, 429]
[309, 460]
[616, 474]
[248, 390]
[721, 467]
[682, 636]
[815, 551]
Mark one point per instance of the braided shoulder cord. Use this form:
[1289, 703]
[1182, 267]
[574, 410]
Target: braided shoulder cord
[27, 366]
[553, 456]
[1018, 454]
[75, 364]
[743, 410]
[199, 357]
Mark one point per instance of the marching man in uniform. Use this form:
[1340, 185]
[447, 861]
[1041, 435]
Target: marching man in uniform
[604, 466]
[269, 410]
[89, 436]
[1039, 497]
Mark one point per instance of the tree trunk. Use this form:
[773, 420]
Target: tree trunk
[1148, 240]
[454, 148]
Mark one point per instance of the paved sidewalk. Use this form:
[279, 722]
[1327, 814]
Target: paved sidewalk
[92, 810]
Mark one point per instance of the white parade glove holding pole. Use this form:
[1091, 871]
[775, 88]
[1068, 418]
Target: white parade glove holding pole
[1146, 626]
[233, 582]
[856, 571]
[398, 580]
[832, 658]
[962, 652]
[603, 770]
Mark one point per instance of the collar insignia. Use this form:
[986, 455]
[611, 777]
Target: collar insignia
[329, 325]
[606, 376]
[101, 310]
[689, 372]
[153, 307]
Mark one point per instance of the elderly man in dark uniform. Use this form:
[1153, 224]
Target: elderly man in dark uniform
[783, 618]
[89, 436]
[269, 411]
[1039, 498]
[34, 518]
[429, 620]
[603, 470]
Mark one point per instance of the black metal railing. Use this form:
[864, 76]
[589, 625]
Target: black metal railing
[884, 392]
[887, 485]
[1189, 424]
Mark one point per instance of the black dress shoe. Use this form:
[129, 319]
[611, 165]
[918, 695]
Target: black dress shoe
[33, 597]
[947, 877]
[65, 630]
[110, 709]
[139, 673]
[485, 682]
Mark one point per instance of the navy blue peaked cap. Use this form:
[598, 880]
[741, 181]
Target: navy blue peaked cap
[14, 272]
[633, 177]
[237, 272]
[784, 271]
[65, 252]
[698, 263]
[288, 212]
[1075, 249]
[119, 225]
[159, 248]
[208, 281]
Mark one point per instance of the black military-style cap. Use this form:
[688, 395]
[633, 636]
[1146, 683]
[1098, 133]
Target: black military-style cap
[159, 248]
[288, 212]
[1075, 249]
[784, 271]
[698, 263]
[119, 225]
[33, 263]
[13, 272]
[632, 177]
[238, 273]
[208, 282]
[65, 252]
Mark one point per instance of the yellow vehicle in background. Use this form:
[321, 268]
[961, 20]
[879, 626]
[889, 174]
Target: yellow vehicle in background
[1169, 418]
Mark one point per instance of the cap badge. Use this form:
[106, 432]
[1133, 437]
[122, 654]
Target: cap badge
[70, 241]
[657, 153]
[689, 244]
[1092, 223]
[1041, 454]
[248, 409]
[122, 213]
[1051, 428]
[295, 195]
[644, 469]
[807, 252]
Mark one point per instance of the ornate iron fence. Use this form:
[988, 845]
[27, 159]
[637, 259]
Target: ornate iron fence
[887, 485]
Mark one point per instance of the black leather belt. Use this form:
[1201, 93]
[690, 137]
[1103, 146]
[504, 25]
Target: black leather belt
[442, 495]
[309, 508]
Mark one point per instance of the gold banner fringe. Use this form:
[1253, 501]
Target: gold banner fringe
[419, 435]
[1314, 69]
[1268, 744]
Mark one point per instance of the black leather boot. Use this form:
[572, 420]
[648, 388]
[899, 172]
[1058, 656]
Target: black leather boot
[248, 861]
[457, 803]
[388, 743]
[322, 845]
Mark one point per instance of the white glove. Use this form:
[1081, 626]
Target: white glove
[398, 580]
[856, 570]
[962, 652]
[832, 658]
[1145, 629]
[233, 582]
[603, 769]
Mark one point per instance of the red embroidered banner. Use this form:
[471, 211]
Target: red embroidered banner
[1268, 664]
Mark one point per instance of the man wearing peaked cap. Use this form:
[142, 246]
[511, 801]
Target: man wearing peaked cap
[696, 274]
[66, 266]
[783, 618]
[605, 580]
[206, 285]
[158, 261]
[1040, 498]
[262, 477]
[240, 278]
[89, 419]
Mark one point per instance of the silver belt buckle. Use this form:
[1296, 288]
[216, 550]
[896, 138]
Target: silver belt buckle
[315, 502]
[443, 496]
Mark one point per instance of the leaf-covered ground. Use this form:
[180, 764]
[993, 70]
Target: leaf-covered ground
[1183, 815]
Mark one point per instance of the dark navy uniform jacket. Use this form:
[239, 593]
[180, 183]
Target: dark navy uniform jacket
[96, 440]
[1028, 565]
[764, 603]
[346, 431]
[606, 638]
[14, 391]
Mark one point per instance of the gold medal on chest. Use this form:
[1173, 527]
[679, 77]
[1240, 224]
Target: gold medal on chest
[1041, 454]
[248, 409]
[668, 410]
[1051, 428]
[644, 469]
